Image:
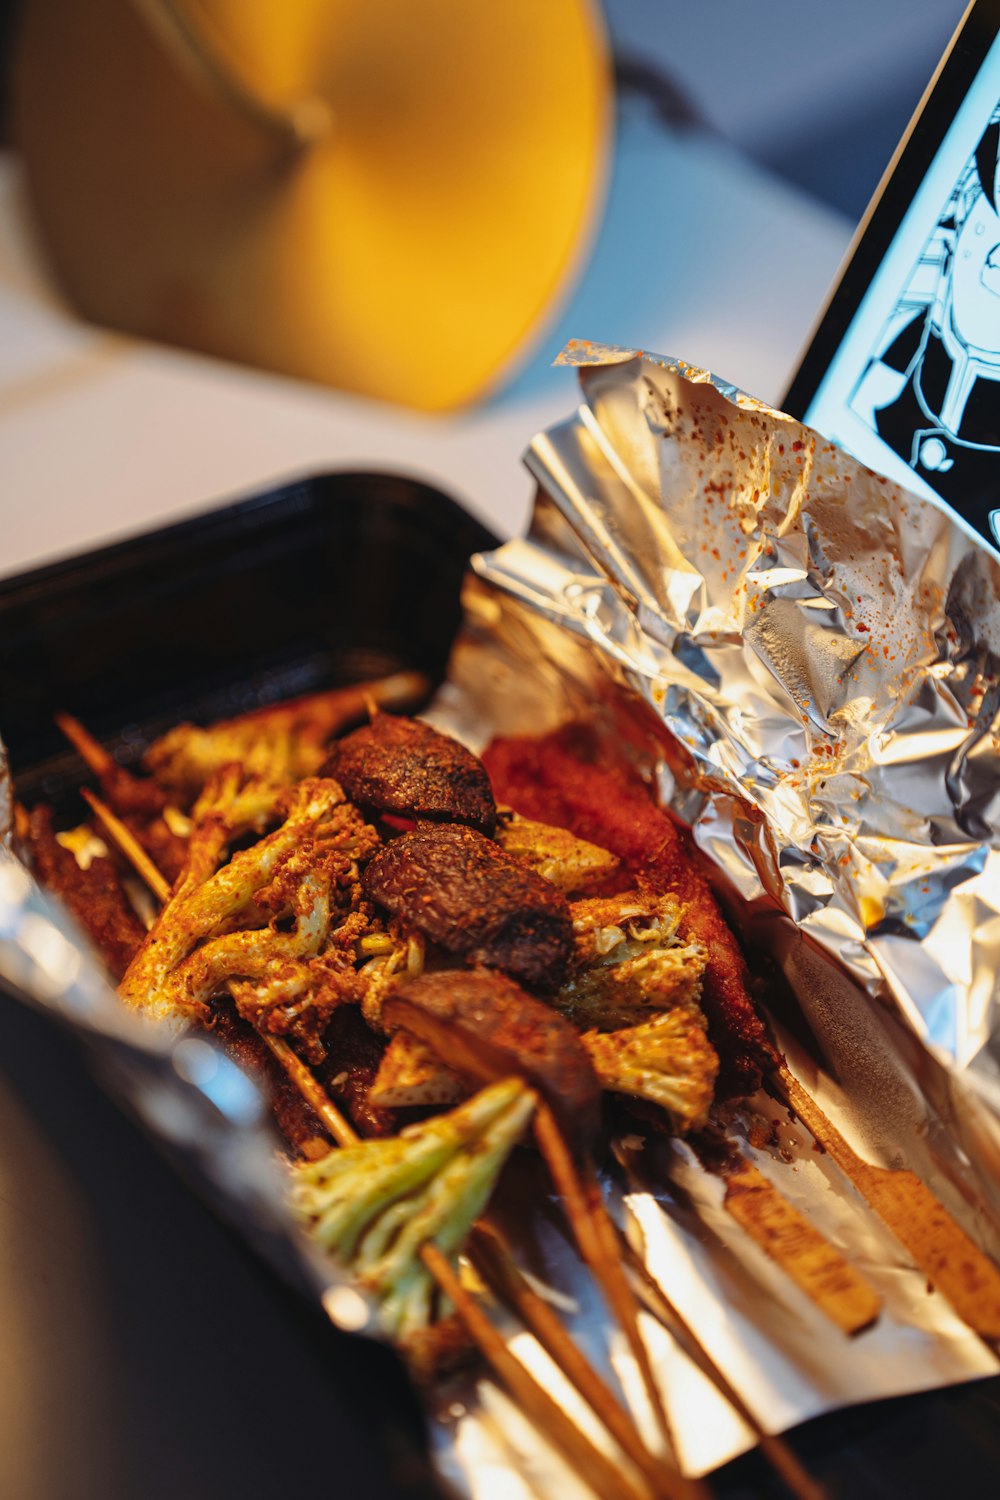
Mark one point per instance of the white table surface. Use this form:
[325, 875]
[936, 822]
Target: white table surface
[124, 1309]
[701, 255]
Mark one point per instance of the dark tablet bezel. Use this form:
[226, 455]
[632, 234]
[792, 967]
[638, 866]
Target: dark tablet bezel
[913, 157]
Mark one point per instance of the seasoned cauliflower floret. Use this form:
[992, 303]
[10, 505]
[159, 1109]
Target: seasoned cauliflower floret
[558, 855]
[636, 990]
[667, 1060]
[629, 960]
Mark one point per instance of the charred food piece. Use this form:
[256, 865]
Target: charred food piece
[95, 895]
[484, 1026]
[545, 778]
[471, 898]
[403, 767]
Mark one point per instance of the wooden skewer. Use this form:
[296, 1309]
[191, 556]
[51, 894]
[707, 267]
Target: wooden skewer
[535, 1401]
[774, 1448]
[517, 1293]
[495, 1264]
[121, 835]
[504, 1276]
[531, 1396]
[90, 751]
[518, 1379]
[311, 1090]
[936, 1242]
[805, 1255]
[607, 1477]
[333, 708]
[595, 1237]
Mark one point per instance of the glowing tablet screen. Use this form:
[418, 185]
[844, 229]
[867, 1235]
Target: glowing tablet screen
[912, 388]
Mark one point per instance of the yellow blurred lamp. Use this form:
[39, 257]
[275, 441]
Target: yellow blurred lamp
[382, 195]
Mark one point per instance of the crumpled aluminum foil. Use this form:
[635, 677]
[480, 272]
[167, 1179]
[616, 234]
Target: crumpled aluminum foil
[826, 649]
[808, 660]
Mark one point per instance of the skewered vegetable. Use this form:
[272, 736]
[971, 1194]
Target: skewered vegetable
[471, 898]
[667, 1060]
[303, 875]
[572, 865]
[484, 1026]
[377, 1204]
[630, 960]
[406, 768]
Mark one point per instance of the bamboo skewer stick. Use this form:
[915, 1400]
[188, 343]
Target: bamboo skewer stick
[332, 709]
[517, 1294]
[918, 1219]
[515, 1291]
[595, 1237]
[773, 1447]
[121, 835]
[495, 1264]
[594, 1466]
[90, 751]
[574, 1444]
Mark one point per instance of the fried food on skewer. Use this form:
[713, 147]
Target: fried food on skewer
[411, 1074]
[572, 865]
[280, 744]
[230, 805]
[94, 895]
[630, 960]
[635, 992]
[635, 987]
[406, 768]
[128, 795]
[375, 1205]
[483, 1024]
[228, 925]
[667, 1060]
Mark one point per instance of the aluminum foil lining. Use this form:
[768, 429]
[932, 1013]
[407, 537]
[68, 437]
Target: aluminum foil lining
[807, 658]
[826, 648]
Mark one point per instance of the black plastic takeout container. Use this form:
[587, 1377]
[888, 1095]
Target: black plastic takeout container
[322, 581]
